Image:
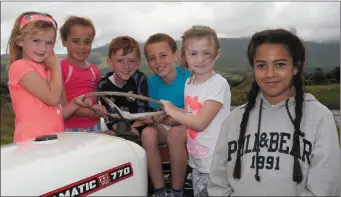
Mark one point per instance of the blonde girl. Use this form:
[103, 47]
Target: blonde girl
[35, 80]
[207, 102]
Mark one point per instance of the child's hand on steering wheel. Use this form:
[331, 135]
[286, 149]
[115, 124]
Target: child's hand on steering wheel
[79, 101]
[168, 107]
[99, 110]
[159, 118]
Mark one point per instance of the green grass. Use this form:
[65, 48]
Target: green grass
[239, 93]
[6, 120]
[329, 95]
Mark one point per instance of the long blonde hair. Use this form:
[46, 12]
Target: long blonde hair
[15, 52]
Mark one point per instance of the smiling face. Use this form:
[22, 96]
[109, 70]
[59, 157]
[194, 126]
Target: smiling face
[161, 59]
[200, 54]
[274, 70]
[38, 46]
[78, 43]
[124, 66]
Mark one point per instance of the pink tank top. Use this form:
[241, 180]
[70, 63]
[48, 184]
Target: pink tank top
[78, 81]
[32, 117]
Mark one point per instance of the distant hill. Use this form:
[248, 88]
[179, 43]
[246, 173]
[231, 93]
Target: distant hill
[233, 56]
[318, 54]
[323, 55]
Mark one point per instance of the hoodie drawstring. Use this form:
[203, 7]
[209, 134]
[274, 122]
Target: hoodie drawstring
[296, 141]
[257, 177]
[287, 107]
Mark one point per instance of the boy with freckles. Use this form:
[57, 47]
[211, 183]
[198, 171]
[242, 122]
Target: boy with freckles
[124, 58]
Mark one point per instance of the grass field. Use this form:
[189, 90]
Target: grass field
[326, 94]
[329, 95]
[6, 120]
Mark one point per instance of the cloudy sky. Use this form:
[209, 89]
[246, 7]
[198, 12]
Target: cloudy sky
[314, 21]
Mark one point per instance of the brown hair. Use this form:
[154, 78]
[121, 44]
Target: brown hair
[127, 43]
[72, 21]
[31, 28]
[160, 37]
[198, 31]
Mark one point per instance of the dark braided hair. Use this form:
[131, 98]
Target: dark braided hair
[296, 50]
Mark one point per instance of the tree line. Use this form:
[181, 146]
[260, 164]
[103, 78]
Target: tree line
[319, 77]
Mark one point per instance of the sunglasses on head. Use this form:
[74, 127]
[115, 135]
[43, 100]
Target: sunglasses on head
[35, 17]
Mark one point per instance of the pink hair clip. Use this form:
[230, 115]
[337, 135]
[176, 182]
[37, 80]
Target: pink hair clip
[35, 17]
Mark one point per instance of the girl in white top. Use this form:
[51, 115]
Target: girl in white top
[207, 102]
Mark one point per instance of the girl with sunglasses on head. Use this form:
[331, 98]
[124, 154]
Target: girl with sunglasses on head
[35, 78]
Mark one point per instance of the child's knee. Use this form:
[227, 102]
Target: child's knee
[177, 135]
[149, 137]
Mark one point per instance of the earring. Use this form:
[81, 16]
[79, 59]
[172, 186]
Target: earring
[295, 71]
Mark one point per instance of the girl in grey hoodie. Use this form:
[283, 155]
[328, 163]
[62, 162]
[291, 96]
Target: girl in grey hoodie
[283, 141]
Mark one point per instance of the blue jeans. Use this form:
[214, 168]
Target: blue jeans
[199, 181]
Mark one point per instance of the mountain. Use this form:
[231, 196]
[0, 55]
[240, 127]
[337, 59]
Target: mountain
[233, 56]
[323, 55]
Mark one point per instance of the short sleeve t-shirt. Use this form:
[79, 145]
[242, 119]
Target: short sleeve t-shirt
[78, 81]
[32, 116]
[174, 92]
[200, 145]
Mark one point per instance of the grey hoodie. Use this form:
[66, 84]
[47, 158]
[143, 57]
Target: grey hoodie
[319, 152]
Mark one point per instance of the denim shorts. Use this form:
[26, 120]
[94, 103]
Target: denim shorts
[95, 128]
[199, 181]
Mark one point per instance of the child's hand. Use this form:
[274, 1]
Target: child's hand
[79, 101]
[170, 121]
[168, 107]
[52, 61]
[100, 110]
[159, 118]
[148, 121]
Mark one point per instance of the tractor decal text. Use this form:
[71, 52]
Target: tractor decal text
[94, 183]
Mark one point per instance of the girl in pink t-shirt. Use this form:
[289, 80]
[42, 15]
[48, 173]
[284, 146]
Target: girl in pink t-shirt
[79, 76]
[35, 79]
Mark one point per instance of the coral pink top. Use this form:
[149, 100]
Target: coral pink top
[32, 117]
[78, 81]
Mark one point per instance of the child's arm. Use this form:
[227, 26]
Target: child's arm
[217, 95]
[72, 109]
[171, 121]
[196, 122]
[48, 92]
[69, 108]
[77, 108]
[85, 111]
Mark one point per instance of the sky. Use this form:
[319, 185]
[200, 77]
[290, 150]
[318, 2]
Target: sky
[313, 21]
